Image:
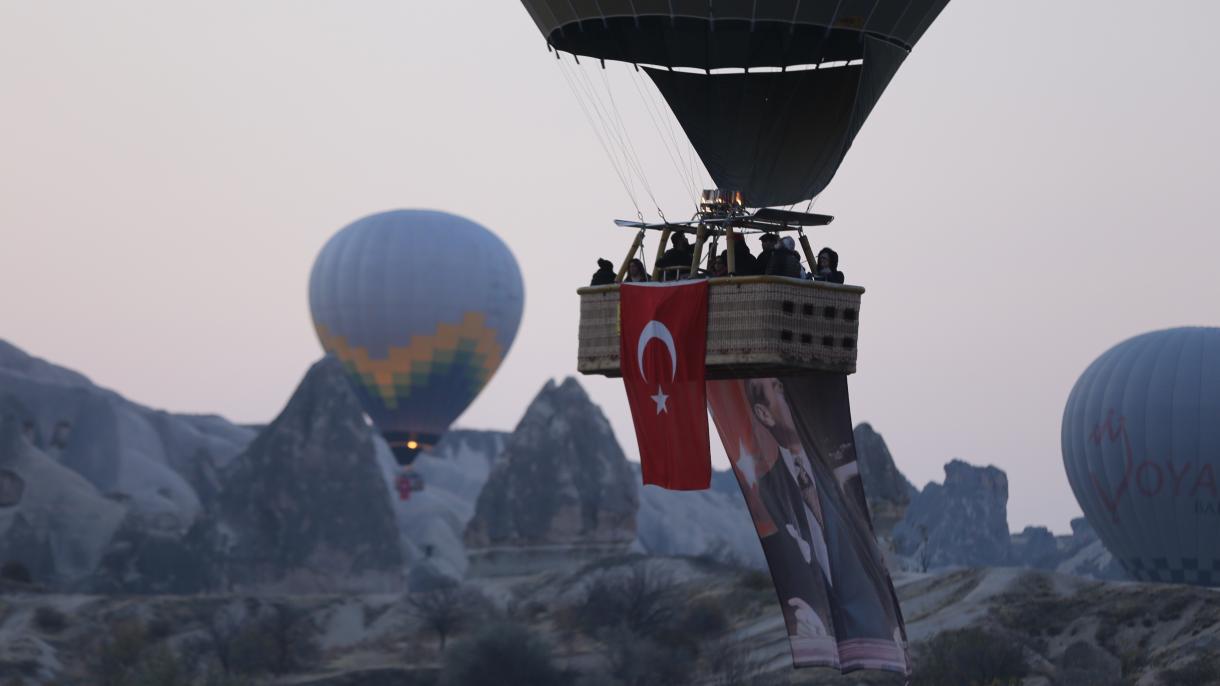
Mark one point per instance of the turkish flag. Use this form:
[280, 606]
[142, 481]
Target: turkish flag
[662, 345]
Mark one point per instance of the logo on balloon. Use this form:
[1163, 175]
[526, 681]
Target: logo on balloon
[1149, 476]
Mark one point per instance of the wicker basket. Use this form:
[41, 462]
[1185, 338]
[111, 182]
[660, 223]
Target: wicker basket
[757, 326]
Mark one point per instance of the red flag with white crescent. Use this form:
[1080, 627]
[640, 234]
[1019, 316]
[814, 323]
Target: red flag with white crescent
[662, 345]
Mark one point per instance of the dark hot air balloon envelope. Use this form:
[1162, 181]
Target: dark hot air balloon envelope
[807, 75]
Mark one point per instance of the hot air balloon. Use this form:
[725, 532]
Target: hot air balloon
[1141, 446]
[770, 94]
[420, 307]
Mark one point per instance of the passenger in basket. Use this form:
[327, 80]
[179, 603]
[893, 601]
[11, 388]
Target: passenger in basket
[768, 241]
[744, 262]
[636, 272]
[784, 260]
[828, 267]
[675, 263]
[604, 275]
[720, 266]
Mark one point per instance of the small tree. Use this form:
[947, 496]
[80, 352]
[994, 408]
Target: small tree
[443, 611]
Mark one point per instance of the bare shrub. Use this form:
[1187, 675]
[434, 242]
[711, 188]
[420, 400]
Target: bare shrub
[730, 663]
[637, 660]
[1197, 673]
[120, 652]
[50, 620]
[275, 638]
[501, 654]
[642, 601]
[969, 656]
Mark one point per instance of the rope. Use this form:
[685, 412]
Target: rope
[615, 136]
[600, 139]
[675, 152]
[625, 136]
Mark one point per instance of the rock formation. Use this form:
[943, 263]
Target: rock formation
[888, 492]
[155, 460]
[306, 507]
[561, 492]
[54, 522]
[962, 522]
[1034, 547]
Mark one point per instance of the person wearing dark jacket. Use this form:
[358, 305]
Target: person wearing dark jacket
[636, 272]
[769, 242]
[828, 267]
[744, 262]
[784, 260]
[604, 275]
[675, 262]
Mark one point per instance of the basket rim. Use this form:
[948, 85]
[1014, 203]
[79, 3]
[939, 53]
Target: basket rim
[746, 280]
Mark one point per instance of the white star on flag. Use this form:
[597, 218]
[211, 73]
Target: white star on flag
[660, 399]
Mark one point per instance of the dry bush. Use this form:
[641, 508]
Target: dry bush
[501, 654]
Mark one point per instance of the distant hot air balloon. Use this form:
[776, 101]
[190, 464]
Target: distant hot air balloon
[770, 94]
[1141, 445]
[420, 307]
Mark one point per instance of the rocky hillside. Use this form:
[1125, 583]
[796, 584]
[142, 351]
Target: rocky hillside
[708, 624]
[181, 504]
[162, 464]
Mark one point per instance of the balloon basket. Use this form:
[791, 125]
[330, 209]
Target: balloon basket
[757, 326]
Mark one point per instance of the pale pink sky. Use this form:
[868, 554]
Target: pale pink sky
[1039, 183]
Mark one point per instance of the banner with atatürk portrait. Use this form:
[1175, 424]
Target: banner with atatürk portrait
[791, 446]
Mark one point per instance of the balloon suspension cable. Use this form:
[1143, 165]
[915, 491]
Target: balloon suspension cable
[584, 108]
[613, 131]
[625, 140]
[673, 148]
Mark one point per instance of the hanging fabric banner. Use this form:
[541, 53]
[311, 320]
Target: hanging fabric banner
[663, 342]
[791, 446]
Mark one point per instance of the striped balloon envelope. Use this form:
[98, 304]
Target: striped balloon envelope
[1141, 445]
[420, 307]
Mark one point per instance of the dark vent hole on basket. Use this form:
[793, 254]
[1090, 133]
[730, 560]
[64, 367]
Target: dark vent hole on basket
[806, 338]
[849, 314]
[828, 341]
[849, 342]
[807, 309]
[785, 335]
[788, 306]
[829, 312]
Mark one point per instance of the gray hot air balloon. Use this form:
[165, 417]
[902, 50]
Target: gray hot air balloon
[421, 308]
[1141, 446]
